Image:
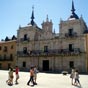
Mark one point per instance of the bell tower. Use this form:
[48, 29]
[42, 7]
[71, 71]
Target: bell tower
[48, 25]
[73, 26]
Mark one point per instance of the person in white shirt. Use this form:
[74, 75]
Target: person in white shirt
[76, 77]
[35, 75]
[72, 76]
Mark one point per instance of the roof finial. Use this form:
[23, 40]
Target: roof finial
[32, 16]
[19, 26]
[73, 9]
[73, 15]
[47, 19]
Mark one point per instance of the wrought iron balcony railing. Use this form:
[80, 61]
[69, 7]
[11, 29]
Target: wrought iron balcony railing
[75, 51]
[24, 39]
[74, 34]
[6, 59]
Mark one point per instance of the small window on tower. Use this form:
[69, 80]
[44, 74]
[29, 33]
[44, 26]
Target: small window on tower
[70, 31]
[25, 50]
[71, 48]
[25, 37]
[45, 48]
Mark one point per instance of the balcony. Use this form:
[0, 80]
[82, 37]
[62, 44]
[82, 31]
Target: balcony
[21, 53]
[54, 52]
[71, 35]
[24, 40]
[6, 59]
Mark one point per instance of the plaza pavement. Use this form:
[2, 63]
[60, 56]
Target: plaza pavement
[45, 80]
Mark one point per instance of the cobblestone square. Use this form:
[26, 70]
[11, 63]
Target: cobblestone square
[44, 80]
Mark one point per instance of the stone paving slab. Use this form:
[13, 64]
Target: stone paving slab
[45, 80]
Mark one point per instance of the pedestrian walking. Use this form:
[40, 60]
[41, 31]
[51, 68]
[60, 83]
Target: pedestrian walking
[7, 81]
[31, 76]
[35, 74]
[10, 80]
[76, 77]
[17, 74]
[72, 76]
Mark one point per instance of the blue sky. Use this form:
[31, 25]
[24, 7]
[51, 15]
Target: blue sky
[18, 12]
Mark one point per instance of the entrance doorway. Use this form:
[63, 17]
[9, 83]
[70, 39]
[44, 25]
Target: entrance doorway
[71, 64]
[45, 65]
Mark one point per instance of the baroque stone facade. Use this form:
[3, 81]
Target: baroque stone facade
[51, 51]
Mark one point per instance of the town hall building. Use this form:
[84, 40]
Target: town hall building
[51, 51]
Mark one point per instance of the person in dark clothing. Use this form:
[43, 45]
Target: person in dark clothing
[31, 77]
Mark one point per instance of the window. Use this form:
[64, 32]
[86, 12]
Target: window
[24, 64]
[0, 57]
[25, 50]
[11, 46]
[25, 37]
[0, 48]
[71, 47]
[4, 57]
[5, 49]
[11, 56]
[45, 48]
[70, 31]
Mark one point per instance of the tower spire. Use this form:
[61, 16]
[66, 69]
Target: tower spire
[73, 15]
[47, 19]
[73, 9]
[32, 16]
